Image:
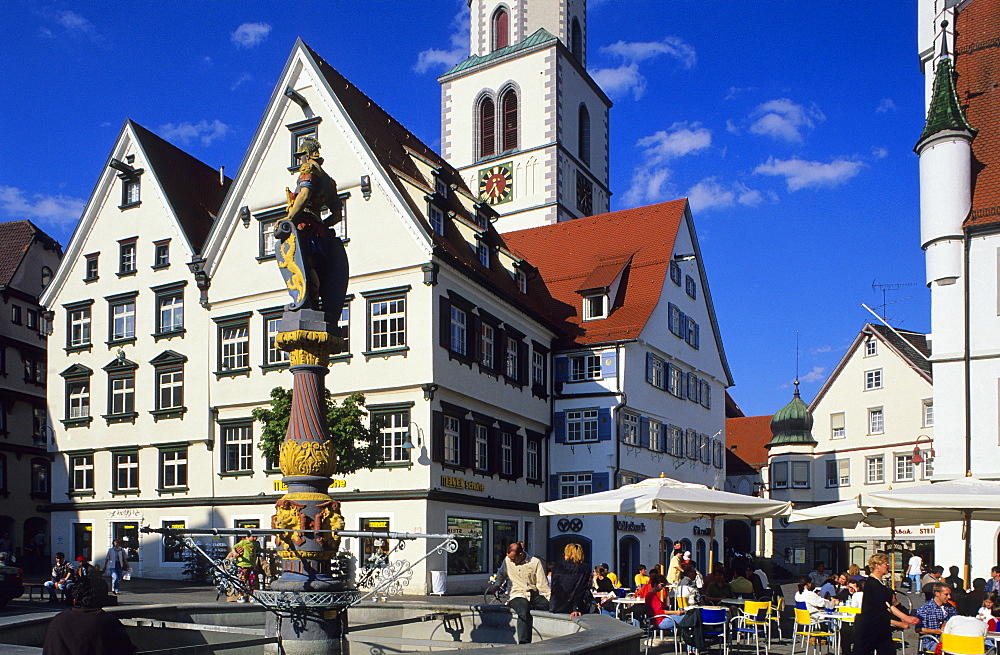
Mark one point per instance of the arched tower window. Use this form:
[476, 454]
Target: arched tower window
[487, 128]
[576, 40]
[501, 28]
[508, 105]
[584, 135]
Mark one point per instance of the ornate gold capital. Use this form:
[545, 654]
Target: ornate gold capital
[307, 458]
[308, 347]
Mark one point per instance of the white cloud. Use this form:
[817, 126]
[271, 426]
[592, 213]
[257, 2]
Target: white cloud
[48, 210]
[619, 80]
[445, 58]
[815, 375]
[185, 133]
[802, 174]
[885, 105]
[244, 77]
[648, 185]
[249, 35]
[70, 23]
[710, 193]
[879, 152]
[784, 120]
[823, 349]
[678, 140]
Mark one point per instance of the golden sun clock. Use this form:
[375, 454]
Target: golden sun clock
[496, 183]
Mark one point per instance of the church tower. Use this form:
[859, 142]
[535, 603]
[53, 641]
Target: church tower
[521, 118]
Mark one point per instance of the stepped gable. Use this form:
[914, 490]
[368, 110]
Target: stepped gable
[398, 150]
[571, 255]
[191, 186]
[977, 64]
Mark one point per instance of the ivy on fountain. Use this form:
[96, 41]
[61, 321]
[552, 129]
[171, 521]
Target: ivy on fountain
[356, 446]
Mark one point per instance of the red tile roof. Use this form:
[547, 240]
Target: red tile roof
[16, 237]
[977, 64]
[747, 436]
[569, 255]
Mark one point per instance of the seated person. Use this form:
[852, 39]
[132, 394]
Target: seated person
[741, 586]
[717, 588]
[641, 577]
[604, 586]
[964, 623]
[934, 614]
[661, 617]
[62, 574]
[829, 587]
[815, 603]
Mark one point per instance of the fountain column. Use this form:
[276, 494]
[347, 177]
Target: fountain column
[306, 512]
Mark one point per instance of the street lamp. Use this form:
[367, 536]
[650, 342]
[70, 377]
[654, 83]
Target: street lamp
[917, 457]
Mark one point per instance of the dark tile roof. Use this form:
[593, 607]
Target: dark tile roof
[399, 151]
[192, 187]
[977, 63]
[736, 466]
[912, 345]
[732, 409]
[747, 437]
[16, 237]
[567, 254]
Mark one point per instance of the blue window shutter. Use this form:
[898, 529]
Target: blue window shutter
[643, 432]
[672, 318]
[649, 368]
[559, 427]
[609, 364]
[682, 332]
[562, 369]
[604, 424]
[602, 481]
[696, 339]
[554, 487]
[664, 437]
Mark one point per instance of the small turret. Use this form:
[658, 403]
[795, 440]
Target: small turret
[792, 425]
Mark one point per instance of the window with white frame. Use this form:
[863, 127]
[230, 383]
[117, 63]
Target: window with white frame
[126, 258]
[452, 439]
[705, 449]
[657, 372]
[79, 327]
[928, 412]
[40, 472]
[487, 336]
[234, 346]
[274, 356]
[395, 430]
[173, 468]
[506, 453]
[837, 426]
[691, 444]
[676, 443]
[630, 429]
[161, 254]
[82, 473]
[170, 388]
[387, 322]
[871, 348]
[690, 286]
[126, 467]
[876, 421]
[237, 448]
[122, 319]
[532, 463]
[122, 400]
[655, 436]
[581, 425]
[512, 370]
[78, 398]
[482, 447]
[875, 469]
[873, 379]
[268, 243]
[595, 306]
[904, 468]
[436, 218]
[585, 367]
[170, 311]
[345, 328]
[928, 465]
[483, 252]
[676, 382]
[130, 192]
[838, 473]
[575, 484]
[779, 475]
[538, 368]
[459, 320]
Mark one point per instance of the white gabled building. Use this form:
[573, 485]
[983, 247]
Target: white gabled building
[127, 395]
[869, 419]
[640, 373]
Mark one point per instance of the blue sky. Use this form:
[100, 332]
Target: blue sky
[790, 125]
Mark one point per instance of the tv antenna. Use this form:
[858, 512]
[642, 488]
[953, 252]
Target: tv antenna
[885, 289]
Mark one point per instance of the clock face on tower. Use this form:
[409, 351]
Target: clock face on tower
[496, 183]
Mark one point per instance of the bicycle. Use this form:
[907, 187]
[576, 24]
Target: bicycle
[496, 594]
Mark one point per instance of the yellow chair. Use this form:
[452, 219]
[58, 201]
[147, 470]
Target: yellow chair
[960, 645]
[777, 609]
[754, 620]
[807, 628]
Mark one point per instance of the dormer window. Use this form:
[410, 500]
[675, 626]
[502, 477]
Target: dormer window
[436, 218]
[595, 306]
[441, 187]
[483, 252]
[522, 280]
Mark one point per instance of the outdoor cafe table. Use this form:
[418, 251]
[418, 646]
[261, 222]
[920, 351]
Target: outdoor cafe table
[622, 604]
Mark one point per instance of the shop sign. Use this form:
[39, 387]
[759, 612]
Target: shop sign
[279, 485]
[630, 526]
[460, 483]
[570, 525]
[702, 531]
[914, 531]
[468, 529]
[126, 514]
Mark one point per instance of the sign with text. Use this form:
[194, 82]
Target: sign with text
[460, 483]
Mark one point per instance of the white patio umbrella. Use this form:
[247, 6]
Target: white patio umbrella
[671, 500]
[963, 500]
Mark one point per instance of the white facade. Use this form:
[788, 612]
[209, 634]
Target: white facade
[554, 155]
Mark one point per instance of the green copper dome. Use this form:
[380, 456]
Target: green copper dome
[944, 112]
[792, 425]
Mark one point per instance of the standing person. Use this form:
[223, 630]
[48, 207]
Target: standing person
[873, 627]
[933, 614]
[675, 569]
[86, 629]
[62, 573]
[116, 563]
[913, 569]
[570, 584]
[245, 553]
[528, 588]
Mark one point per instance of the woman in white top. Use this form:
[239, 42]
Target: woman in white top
[815, 603]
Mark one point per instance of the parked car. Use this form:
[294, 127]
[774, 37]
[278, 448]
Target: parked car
[11, 584]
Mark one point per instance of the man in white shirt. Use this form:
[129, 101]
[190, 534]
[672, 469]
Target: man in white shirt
[529, 588]
[913, 570]
[820, 575]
